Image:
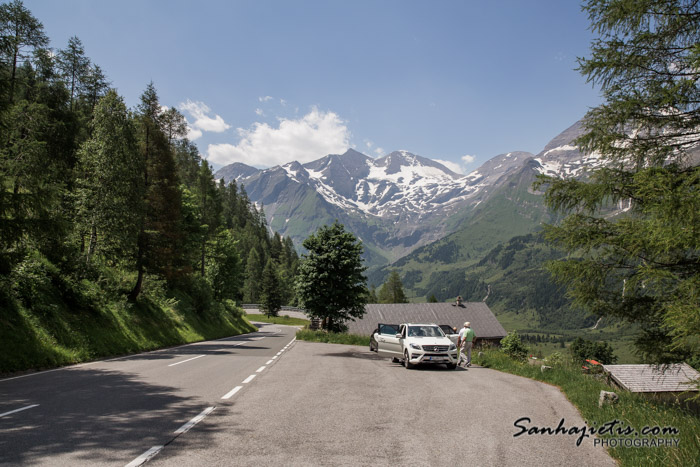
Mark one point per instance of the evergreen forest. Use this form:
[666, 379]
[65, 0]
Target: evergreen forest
[109, 216]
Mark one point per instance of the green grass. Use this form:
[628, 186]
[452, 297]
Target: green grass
[332, 337]
[633, 410]
[286, 320]
[74, 322]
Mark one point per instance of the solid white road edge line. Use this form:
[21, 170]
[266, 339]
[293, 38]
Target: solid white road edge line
[189, 359]
[145, 457]
[19, 410]
[80, 365]
[186, 427]
[232, 392]
[249, 379]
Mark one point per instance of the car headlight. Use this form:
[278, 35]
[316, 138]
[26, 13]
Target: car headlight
[415, 346]
[453, 347]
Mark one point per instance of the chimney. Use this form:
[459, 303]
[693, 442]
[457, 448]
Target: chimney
[459, 300]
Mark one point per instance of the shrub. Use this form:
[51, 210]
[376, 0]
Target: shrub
[582, 349]
[512, 346]
[555, 359]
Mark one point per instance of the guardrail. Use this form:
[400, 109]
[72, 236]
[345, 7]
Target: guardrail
[285, 308]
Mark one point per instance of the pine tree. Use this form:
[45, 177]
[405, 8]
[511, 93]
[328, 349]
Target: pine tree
[160, 233]
[392, 290]
[643, 266]
[253, 276]
[19, 30]
[75, 67]
[270, 293]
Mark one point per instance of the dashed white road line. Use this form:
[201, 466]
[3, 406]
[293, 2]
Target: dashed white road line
[188, 360]
[232, 392]
[145, 457]
[186, 427]
[19, 410]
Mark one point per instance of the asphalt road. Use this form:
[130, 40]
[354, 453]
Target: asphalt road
[328, 404]
[113, 412]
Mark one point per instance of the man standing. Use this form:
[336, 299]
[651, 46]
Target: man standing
[467, 337]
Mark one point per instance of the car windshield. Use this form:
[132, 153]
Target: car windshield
[447, 329]
[425, 331]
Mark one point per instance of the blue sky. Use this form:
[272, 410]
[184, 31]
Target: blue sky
[265, 82]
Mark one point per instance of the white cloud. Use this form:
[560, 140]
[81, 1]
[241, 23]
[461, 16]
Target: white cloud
[460, 168]
[379, 151]
[314, 135]
[202, 121]
[451, 165]
[193, 133]
[467, 159]
[283, 102]
[265, 98]
[259, 112]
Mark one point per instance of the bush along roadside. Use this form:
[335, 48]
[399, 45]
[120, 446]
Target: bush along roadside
[642, 431]
[61, 321]
[332, 337]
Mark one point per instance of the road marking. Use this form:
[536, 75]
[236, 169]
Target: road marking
[232, 392]
[260, 369]
[274, 357]
[249, 379]
[268, 362]
[145, 457]
[186, 427]
[189, 359]
[19, 410]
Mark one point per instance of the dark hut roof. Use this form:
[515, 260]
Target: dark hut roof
[483, 321]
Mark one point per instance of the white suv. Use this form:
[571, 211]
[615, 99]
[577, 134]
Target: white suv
[418, 343]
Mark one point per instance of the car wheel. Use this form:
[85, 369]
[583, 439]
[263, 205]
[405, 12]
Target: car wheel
[406, 363]
[395, 360]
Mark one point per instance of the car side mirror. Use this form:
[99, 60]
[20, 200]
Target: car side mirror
[399, 336]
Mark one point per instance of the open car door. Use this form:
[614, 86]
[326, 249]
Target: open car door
[450, 332]
[388, 345]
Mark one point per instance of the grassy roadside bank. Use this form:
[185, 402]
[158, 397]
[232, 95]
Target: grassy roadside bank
[67, 328]
[632, 410]
[285, 320]
[332, 337]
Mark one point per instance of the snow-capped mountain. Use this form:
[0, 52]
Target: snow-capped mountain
[395, 203]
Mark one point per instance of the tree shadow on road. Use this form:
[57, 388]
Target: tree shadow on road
[98, 417]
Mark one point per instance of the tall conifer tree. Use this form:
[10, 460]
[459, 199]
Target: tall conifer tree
[643, 266]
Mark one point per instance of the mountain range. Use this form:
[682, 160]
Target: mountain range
[401, 202]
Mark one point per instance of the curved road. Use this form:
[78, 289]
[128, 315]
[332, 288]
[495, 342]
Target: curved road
[112, 412]
[329, 404]
[265, 399]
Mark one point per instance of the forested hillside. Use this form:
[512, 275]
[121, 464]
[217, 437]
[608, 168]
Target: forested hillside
[109, 217]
